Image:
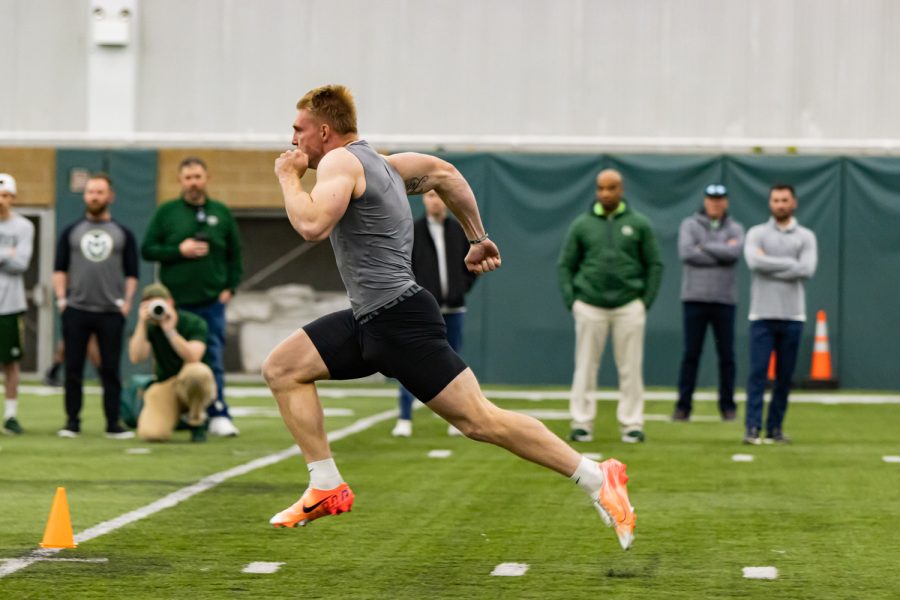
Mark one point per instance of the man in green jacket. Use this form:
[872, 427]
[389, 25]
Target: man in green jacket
[195, 240]
[609, 273]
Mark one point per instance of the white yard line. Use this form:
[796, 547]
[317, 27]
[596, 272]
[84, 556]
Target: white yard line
[329, 391]
[262, 568]
[177, 497]
[509, 570]
[760, 573]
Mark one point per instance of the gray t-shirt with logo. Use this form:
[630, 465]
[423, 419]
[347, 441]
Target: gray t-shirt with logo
[97, 256]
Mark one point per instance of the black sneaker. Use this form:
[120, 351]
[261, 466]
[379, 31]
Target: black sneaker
[777, 437]
[71, 430]
[751, 437]
[198, 434]
[117, 432]
[52, 377]
[681, 416]
[729, 415]
[12, 426]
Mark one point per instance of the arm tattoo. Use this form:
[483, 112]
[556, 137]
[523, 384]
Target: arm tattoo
[415, 185]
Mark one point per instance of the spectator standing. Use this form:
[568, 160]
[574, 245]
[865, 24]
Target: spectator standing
[709, 246]
[195, 240]
[609, 273]
[184, 384]
[438, 260]
[781, 255]
[16, 245]
[95, 277]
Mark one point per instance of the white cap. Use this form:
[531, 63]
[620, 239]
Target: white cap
[7, 183]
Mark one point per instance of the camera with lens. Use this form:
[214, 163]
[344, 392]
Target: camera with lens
[158, 309]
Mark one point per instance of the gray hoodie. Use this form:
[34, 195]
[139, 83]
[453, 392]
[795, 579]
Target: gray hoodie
[709, 253]
[789, 258]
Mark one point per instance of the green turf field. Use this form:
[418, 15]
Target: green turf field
[825, 512]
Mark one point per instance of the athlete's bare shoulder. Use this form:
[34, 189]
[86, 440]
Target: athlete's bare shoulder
[340, 161]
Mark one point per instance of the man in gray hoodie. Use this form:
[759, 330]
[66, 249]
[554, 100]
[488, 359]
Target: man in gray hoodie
[709, 246]
[782, 255]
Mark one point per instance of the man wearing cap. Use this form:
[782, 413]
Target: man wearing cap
[184, 384]
[609, 274]
[16, 243]
[196, 242]
[710, 243]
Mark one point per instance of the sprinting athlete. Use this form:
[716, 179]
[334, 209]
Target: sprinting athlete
[393, 326]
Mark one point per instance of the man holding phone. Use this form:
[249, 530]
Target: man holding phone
[195, 240]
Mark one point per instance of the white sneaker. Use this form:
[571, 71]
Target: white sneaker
[222, 427]
[403, 428]
[453, 431]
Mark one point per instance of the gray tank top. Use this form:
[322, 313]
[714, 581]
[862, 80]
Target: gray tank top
[373, 240]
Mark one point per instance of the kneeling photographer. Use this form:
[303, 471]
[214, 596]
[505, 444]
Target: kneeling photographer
[184, 384]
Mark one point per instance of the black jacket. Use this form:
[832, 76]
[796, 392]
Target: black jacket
[425, 265]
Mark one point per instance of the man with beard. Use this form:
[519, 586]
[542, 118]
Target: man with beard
[782, 255]
[195, 240]
[95, 276]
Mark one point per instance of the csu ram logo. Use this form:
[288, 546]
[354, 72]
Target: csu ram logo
[96, 245]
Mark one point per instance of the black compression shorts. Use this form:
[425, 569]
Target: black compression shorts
[407, 341]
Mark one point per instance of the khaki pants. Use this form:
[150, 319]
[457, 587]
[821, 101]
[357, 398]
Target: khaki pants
[191, 391]
[592, 325]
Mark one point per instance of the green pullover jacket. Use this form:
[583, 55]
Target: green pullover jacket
[194, 280]
[609, 260]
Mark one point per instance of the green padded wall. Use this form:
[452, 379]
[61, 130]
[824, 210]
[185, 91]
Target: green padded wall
[134, 175]
[519, 332]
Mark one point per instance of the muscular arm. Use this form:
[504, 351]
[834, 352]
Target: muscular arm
[313, 215]
[423, 173]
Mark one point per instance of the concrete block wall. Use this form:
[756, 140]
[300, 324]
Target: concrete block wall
[242, 179]
[35, 172]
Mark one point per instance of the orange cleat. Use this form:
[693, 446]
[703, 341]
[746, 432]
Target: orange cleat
[612, 502]
[314, 504]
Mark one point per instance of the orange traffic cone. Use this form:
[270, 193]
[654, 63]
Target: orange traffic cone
[820, 373]
[772, 366]
[58, 533]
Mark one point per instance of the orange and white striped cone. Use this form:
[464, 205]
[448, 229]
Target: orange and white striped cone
[820, 372]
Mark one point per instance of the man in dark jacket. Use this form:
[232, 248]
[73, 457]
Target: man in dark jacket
[710, 243]
[439, 250]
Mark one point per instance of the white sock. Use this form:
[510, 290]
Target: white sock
[324, 474]
[10, 411]
[588, 476]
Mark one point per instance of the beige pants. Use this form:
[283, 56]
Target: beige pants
[191, 391]
[592, 325]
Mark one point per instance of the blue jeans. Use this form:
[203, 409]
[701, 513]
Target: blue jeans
[214, 315]
[783, 337]
[454, 322]
[697, 315]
